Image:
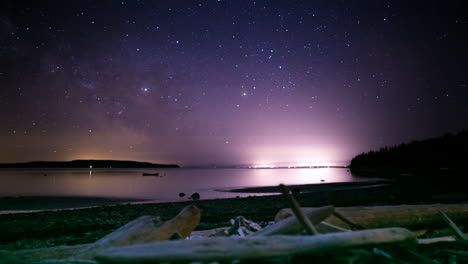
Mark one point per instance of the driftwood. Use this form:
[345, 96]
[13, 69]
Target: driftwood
[436, 240]
[250, 247]
[241, 226]
[141, 230]
[220, 231]
[140, 241]
[291, 225]
[409, 216]
[305, 222]
[345, 220]
[453, 226]
[325, 227]
[147, 229]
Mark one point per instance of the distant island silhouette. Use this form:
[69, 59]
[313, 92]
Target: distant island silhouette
[431, 157]
[77, 164]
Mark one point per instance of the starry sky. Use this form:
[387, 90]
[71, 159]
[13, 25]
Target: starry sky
[228, 82]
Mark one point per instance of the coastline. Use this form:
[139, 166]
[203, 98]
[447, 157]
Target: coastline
[314, 187]
[77, 226]
[43, 203]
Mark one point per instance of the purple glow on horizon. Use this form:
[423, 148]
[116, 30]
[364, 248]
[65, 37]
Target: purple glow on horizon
[273, 83]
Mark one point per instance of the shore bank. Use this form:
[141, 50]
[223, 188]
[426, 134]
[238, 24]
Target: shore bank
[316, 187]
[35, 203]
[69, 227]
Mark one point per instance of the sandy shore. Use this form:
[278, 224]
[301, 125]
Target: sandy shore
[34, 203]
[68, 227]
[307, 188]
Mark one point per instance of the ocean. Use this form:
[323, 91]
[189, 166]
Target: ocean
[131, 184]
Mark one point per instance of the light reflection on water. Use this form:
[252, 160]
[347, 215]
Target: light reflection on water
[125, 183]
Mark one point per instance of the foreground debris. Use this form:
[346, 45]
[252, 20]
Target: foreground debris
[292, 225]
[409, 216]
[141, 230]
[251, 247]
[147, 229]
[387, 239]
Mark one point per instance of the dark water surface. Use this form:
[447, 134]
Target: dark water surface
[130, 184]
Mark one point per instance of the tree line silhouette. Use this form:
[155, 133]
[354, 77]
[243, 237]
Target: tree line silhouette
[87, 164]
[447, 152]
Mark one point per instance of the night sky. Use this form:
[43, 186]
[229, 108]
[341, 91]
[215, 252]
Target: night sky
[228, 82]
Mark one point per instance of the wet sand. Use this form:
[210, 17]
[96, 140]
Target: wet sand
[34, 203]
[335, 186]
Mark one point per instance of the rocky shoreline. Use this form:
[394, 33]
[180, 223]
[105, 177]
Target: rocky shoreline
[70, 227]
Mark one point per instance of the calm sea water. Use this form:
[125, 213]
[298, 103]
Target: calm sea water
[124, 183]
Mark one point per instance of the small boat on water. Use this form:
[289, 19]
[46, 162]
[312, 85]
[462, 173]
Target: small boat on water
[150, 174]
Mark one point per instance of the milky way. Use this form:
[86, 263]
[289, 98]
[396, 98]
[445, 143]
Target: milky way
[228, 82]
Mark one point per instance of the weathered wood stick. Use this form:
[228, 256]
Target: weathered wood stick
[250, 247]
[291, 225]
[329, 228]
[144, 229]
[220, 231]
[453, 226]
[433, 240]
[141, 230]
[61, 252]
[410, 216]
[296, 208]
[348, 222]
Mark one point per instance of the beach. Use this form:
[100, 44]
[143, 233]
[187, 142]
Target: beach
[78, 226]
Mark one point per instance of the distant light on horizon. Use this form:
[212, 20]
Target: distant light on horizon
[296, 165]
[276, 89]
[299, 152]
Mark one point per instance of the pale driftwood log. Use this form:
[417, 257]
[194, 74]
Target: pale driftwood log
[292, 226]
[325, 228]
[148, 229]
[295, 207]
[416, 216]
[436, 240]
[144, 229]
[221, 231]
[141, 230]
[345, 220]
[250, 247]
